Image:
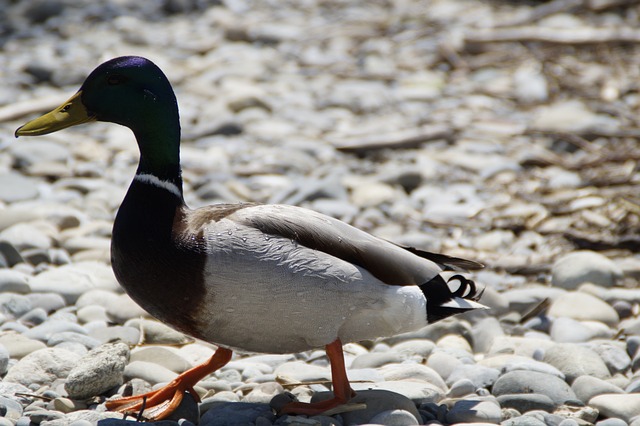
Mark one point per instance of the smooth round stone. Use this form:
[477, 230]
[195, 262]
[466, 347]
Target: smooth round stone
[416, 372]
[452, 341]
[9, 255]
[124, 309]
[40, 416]
[127, 335]
[581, 267]
[524, 402]
[583, 307]
[97, 297]
[157, 333]
[612, 422]
[519, 345]
[14, 282]
[18, 345]
[506, 363]
[474, 410]
[26, 236]
[461, 388]
[443, 363]
[98, 371]
[377, 401]
[567, 330]
[92, 313]
[300, 372]
[420, 347]
[235, 413]
[394, 418]
[17, 187]
[73, 337]
[622, 406]
[66, 405]
[72, 280]
[165, 356]
[376, 359]
[521, 300]
[50, 302]
[47, 329]
[149, 372]
[569, 422]
[416, 391]
[42, 367]
[226, 396]
[34, 317]
[623, 308]
[525, 382]
[574, 360]
[263, 393]
[481, 376]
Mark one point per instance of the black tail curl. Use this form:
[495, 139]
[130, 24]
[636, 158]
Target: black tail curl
[437, 293]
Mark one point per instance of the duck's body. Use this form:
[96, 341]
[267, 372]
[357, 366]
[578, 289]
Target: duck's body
[261, 278]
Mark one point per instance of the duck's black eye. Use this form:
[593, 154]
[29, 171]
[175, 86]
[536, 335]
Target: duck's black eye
[114, 79]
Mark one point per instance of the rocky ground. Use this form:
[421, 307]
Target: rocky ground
[505, 132]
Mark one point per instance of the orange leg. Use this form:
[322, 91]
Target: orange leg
[159, 404]
[342, 391]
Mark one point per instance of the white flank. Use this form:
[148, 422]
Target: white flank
[155, 181]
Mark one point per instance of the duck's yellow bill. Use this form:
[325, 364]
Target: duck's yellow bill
[66, 115]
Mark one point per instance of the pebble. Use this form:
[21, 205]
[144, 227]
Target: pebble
[582, 267]
[42, 367]
[622, 406]
[583, 307]
[14, 282]
[524, 402]
[519, 382]
[18, 345]
[416, 372]
[149, 372]
[574, 361]
[474, 411]
[586, 387]
[98, 371]
[167, 357]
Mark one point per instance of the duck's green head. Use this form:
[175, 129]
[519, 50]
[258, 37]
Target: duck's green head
[131, 91]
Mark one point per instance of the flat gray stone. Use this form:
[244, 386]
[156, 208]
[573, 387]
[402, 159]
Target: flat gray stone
[168, 357]
[157, 333]
[16, 187]
[525, 382]
[481, 376]
[98, 371]
[586, 387]
[376, 359]
[14, 282]
[474, 410]
[575, 360]
[622, 406]
[149, 372]
[568, 330]
[582, 267]
[524, 402]
[235, 413]
[416, 372]
[18, 345]
[583, 307]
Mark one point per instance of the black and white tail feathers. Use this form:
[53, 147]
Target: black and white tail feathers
[443, 302]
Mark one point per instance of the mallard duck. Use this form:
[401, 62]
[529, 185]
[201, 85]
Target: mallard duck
[252, 277]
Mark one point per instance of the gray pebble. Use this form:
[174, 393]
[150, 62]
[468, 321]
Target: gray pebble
[480, 376]
[622, 406]
[568, 330]
[376, 359]
[14, 305]
[47, 329]
[42, 367]
[50, 302]
[474, 410]
[98, 371]
[517, 382]
[105, 334]
[155, 332]
[581, 267]
[394, 418]
[612, 422]
[421, 347]
[11, 408]
[17, 187]
[461, 388]
[614, 356]
[586, 387]
[18, 345]
[73, 337]
[574, 361]
[14, 282]
[583, 307]
[149, 372]
[524, 402]
[168, 357]
[416, 372]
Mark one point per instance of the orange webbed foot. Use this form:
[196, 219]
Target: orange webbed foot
[159, 404]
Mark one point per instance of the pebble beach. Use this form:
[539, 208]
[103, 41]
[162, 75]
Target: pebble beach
[487, 130]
